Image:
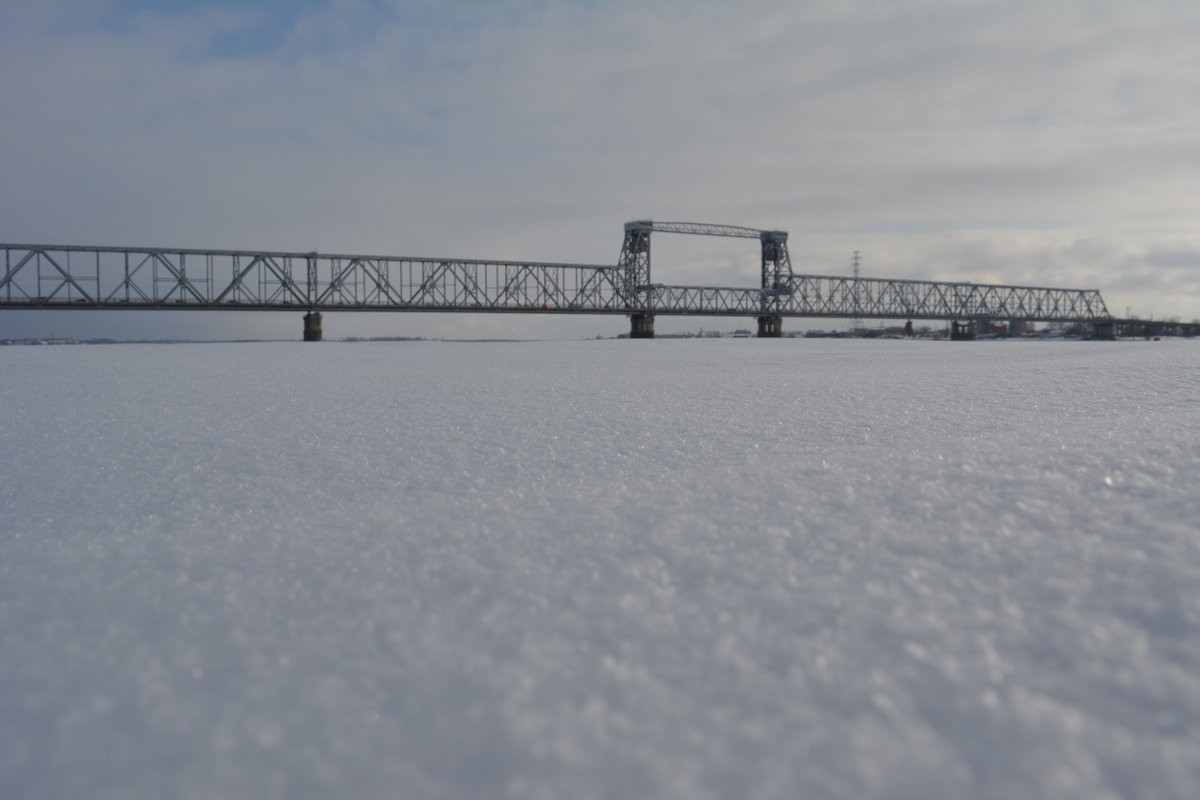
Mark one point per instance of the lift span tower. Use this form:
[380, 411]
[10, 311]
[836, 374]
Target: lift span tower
[86, 277]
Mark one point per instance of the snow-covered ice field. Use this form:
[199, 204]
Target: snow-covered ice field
[612, 569]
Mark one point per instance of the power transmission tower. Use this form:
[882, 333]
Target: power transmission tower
[856, 323]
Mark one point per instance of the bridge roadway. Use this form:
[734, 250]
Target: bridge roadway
[39, 276]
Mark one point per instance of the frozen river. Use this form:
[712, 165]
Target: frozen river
[676, 568]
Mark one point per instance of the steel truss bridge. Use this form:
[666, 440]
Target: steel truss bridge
[83, 277]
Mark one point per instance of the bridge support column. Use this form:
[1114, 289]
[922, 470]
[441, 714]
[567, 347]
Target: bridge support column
[641, 326]
[770, 327]
[962, 331]
[312, 327]
[1104, 330]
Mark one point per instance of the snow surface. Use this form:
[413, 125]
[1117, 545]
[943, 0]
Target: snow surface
[683, 569]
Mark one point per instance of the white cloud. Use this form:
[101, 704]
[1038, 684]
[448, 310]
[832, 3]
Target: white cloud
[943, 140]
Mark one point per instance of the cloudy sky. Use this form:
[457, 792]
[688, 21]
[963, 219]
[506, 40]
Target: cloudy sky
[1043, 143]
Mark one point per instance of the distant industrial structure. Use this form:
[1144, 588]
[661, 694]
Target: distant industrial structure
[43, 276]
[856, 323]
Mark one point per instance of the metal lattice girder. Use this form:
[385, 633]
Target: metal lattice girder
[55, 276]
[830, 296]
[634, 263]
[699, 229]
[67, 276]
[777, 278]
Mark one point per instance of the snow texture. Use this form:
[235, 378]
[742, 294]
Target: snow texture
[611, 569]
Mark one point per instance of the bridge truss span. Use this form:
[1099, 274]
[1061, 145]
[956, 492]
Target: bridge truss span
[55, 276]
[835, 296]
[81, 277]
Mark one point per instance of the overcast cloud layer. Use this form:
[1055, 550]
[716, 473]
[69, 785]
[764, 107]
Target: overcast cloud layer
[998, 142]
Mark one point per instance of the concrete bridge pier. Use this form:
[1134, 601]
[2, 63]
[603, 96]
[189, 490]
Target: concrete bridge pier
[312, 327]
[770, 327]
[1104, 330]
[962, 331]
[641, 326]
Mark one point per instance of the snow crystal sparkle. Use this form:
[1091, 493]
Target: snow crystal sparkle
[705, 568]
